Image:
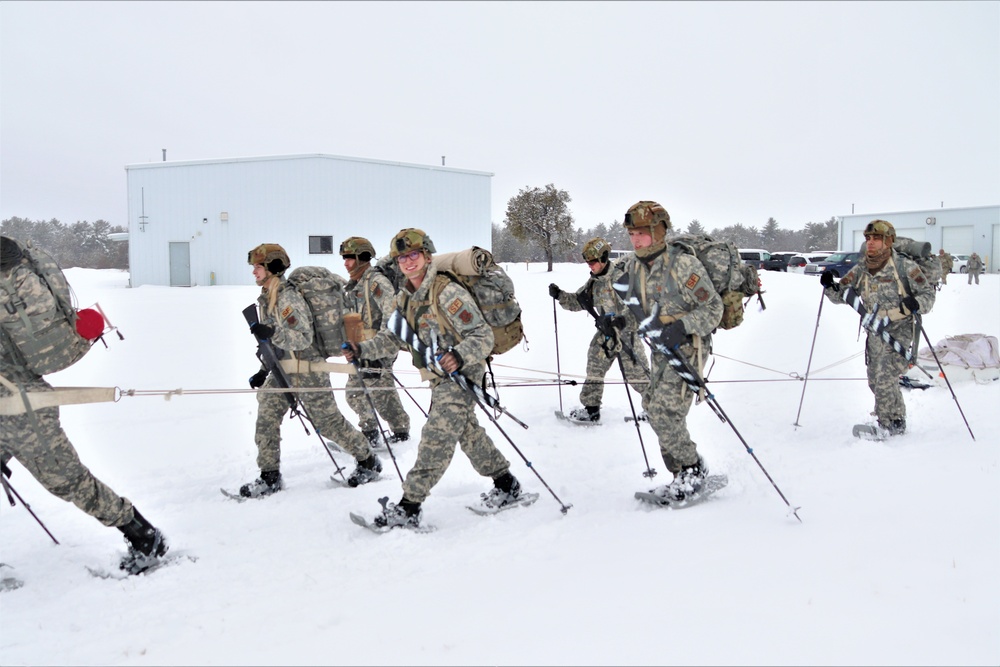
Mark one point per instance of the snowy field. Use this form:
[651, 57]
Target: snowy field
[896, 560]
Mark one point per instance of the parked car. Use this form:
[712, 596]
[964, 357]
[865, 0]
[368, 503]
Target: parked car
[797, 264]
[779, 260]
[839, 262]
[755, 257]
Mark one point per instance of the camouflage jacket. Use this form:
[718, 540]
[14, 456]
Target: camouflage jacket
[372, 296]
[475, 337]
[599, 288]
[292, 322]
[888, 286]
[679, 283]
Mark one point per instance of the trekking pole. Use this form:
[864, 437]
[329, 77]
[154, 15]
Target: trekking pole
[822, 298]
[371, 404]
[555, 324]
[8, 489]
[650, 472]
[419, 407]
[948, 382]
[563, 506]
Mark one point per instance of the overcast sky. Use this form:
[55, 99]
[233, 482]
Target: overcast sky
[723, 112]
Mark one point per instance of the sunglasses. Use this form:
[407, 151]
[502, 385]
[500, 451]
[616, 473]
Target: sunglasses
[409, 257]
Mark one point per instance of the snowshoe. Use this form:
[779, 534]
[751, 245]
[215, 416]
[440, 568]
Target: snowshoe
[269, 482]
[404, 515]
[146, 545]
[367, 471]
[661, 498]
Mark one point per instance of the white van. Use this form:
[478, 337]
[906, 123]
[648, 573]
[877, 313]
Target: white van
[615, 255]
[755, 257]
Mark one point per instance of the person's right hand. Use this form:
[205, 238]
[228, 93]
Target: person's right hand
[554, 291]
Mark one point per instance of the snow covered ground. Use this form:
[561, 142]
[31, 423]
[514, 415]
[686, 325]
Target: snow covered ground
[895, 560]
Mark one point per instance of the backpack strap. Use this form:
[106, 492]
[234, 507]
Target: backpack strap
[440, 281]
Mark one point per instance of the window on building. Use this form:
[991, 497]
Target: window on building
[320, 245]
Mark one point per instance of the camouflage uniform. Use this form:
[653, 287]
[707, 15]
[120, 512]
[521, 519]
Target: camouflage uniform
[598, 361]
[947, 263]
[373, 297]
[886, 287]
[36, 439]
[293, 337]
[452, 415]
[974, 266]
[679, 283]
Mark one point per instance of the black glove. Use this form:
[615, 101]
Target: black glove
[257, 379]
[910, 303]
[5, 470]
[673, 334]
[261, 331]
[554, 291]
[826, 278]
[609, 323]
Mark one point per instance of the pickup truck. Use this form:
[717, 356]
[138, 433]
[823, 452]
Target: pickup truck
[779, 261]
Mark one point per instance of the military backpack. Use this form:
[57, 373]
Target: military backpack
[490, 287]
[43, 334]
[323, 291]
[731, 277]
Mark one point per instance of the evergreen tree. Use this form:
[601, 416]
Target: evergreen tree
[542, 217]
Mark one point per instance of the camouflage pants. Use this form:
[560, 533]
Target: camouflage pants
[451, 419]
[41, 446]
[320, 406]
[384, 395]
[667, 403]
[884, 368]
[598, 365]
[973, 274]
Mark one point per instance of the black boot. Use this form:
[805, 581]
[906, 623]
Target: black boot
[268, 482]
[374, 438]
[367, 471]
[145, 544]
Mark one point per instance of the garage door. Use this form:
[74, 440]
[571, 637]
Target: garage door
[957, 240]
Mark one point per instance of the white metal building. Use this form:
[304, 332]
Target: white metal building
[192, 223]
[957, 230]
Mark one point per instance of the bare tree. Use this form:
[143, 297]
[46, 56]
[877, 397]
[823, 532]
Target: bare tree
[542, 217]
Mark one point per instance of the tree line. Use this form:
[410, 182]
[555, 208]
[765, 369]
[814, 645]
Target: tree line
[539, 228]
[82, 244]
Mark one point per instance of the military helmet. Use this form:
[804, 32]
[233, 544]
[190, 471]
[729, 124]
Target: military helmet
[882, 227]
[597, 249]
[408, 240]
[271, 255]
[357, 246]
[646, 214]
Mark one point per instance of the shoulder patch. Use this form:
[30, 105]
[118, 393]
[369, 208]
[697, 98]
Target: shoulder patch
[917, 275]
[701, 294]
[286, 312]
[292, 321]
[376, 290]
[454, 306]
[692, 281]
[465, 316]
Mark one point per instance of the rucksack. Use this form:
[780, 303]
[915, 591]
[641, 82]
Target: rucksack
[920, 252]
[323, 291]
[731, 277]
[492, 289]
[43, 336]
[388, 267]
